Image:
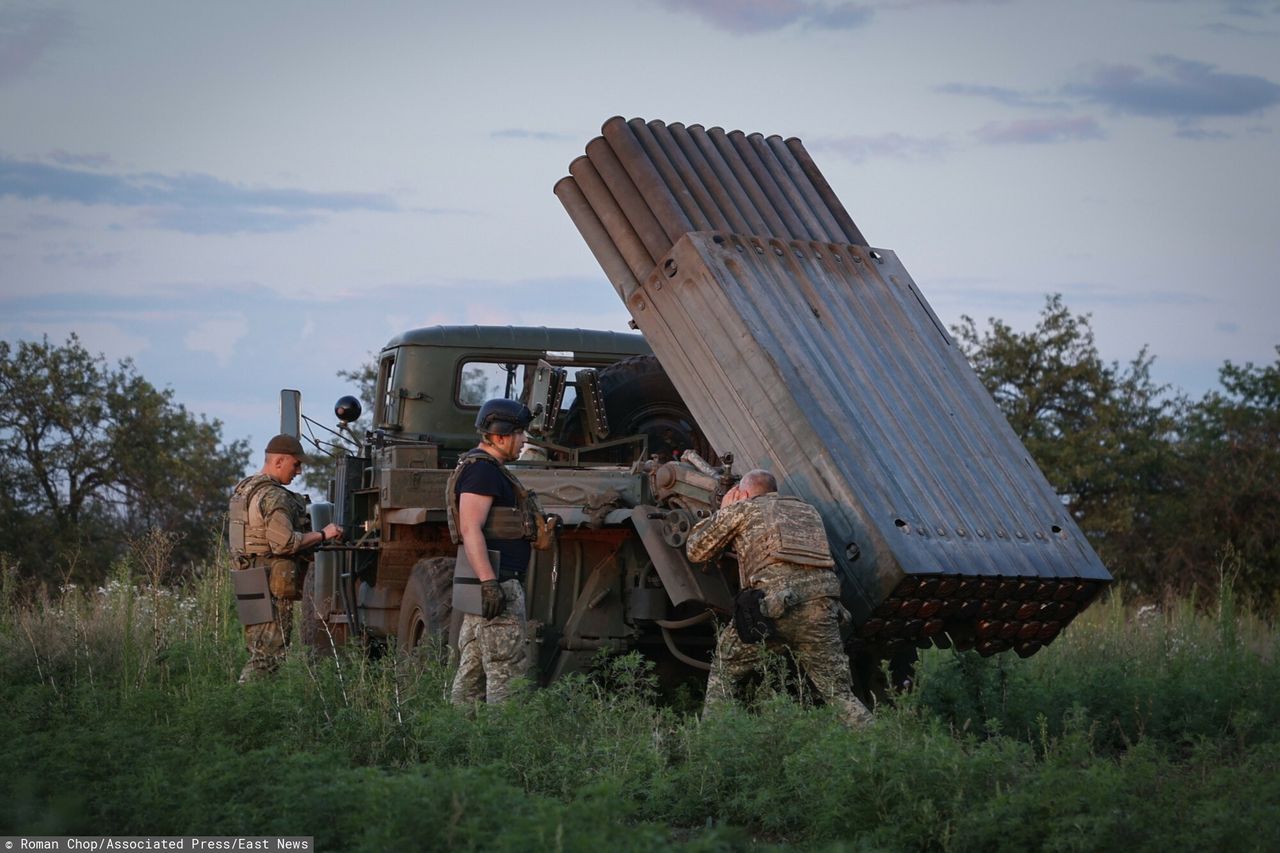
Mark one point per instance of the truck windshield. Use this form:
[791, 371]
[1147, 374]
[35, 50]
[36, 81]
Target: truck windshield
[484, 380]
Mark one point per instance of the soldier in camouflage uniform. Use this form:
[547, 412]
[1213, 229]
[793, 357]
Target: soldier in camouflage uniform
[782, 551]
[277, 535]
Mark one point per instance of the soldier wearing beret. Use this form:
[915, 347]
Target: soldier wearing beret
[271, 534]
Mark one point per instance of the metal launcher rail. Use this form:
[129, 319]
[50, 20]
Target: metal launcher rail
[799, 347]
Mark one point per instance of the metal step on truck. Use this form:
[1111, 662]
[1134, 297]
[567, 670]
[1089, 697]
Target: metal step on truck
[772, 335]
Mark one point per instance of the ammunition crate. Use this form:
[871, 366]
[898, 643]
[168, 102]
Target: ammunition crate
[409, 456]
[418, 487]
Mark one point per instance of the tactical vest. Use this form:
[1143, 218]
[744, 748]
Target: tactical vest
[788, 531]
[248, 539]
[503, 522]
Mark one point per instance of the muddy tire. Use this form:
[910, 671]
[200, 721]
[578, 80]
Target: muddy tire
[312, 631]
[639, 399]
[427, 606]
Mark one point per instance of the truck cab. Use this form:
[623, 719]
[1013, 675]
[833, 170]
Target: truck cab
[608, 421]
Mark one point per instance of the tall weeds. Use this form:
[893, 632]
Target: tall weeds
[1143, 729]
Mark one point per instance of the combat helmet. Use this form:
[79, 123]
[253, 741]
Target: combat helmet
[502, 417]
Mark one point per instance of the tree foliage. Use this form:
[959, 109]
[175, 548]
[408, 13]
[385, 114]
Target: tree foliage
[317, 475]
[365, 378]
[1099, 432]
[94, 455]
[1229, 482]
[1166, 488]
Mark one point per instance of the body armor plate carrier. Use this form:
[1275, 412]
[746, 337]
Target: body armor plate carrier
[525, 520]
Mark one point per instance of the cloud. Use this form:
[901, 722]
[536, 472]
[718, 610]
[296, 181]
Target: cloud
[83, 259]
[1200, 134]
[859, 149]
[444, 211]
[219, 336]
[1227, 327]
[1039, 131]
[843, 16]
[747, 17]
[913, 4]
[1252, 9]
[204, 221]
[1095, 293]
[1185, 90]
[1233, 31]
[188, 202]
[112, 340]
[43, 222]
[523, 133]
[67, 158]
[1002, 95]
[1180, 89]
[25, 37]
[308, 328]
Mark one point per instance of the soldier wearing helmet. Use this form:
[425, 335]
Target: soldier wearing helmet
[790, 595]
[495, 519]
[271, 536]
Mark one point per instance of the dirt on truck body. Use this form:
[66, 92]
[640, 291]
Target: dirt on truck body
[773, 336]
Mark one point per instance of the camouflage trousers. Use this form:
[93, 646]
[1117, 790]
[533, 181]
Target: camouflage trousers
[492, 652]
[811, 631]
[268, 641]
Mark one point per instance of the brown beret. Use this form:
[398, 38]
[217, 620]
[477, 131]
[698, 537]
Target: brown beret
[286, 444]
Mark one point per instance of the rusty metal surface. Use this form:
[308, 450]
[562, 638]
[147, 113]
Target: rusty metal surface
[806, 351]
[682, 582]
[823, 363]
[642, 185]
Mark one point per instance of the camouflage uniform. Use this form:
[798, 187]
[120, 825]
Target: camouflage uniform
[782, 550]
[277, 521]
[491, 652]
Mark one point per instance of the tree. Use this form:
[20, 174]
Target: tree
[94, 455]
[1100, 433]
[317, 475]
[1229, 476]
[365, 378]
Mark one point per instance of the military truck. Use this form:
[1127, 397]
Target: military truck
[613, 453]
[773, 335]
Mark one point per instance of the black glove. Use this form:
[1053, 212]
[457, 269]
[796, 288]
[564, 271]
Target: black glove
[491, 599]
[752, 625]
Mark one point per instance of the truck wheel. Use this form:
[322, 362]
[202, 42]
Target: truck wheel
[869, 682]
[640, 399]
[427, 605]
[312, 631]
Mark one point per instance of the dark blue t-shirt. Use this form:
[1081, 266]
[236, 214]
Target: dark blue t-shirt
[484, 478]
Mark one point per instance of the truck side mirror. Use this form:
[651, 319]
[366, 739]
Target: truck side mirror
[291, 412]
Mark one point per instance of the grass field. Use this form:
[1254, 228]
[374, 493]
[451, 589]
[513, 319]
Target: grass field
[121, 716]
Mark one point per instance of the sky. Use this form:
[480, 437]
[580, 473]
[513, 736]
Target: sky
[248, 196]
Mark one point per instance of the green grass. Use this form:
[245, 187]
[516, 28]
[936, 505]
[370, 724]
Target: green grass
[122, 717]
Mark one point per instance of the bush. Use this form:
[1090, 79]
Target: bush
[1150, 733]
